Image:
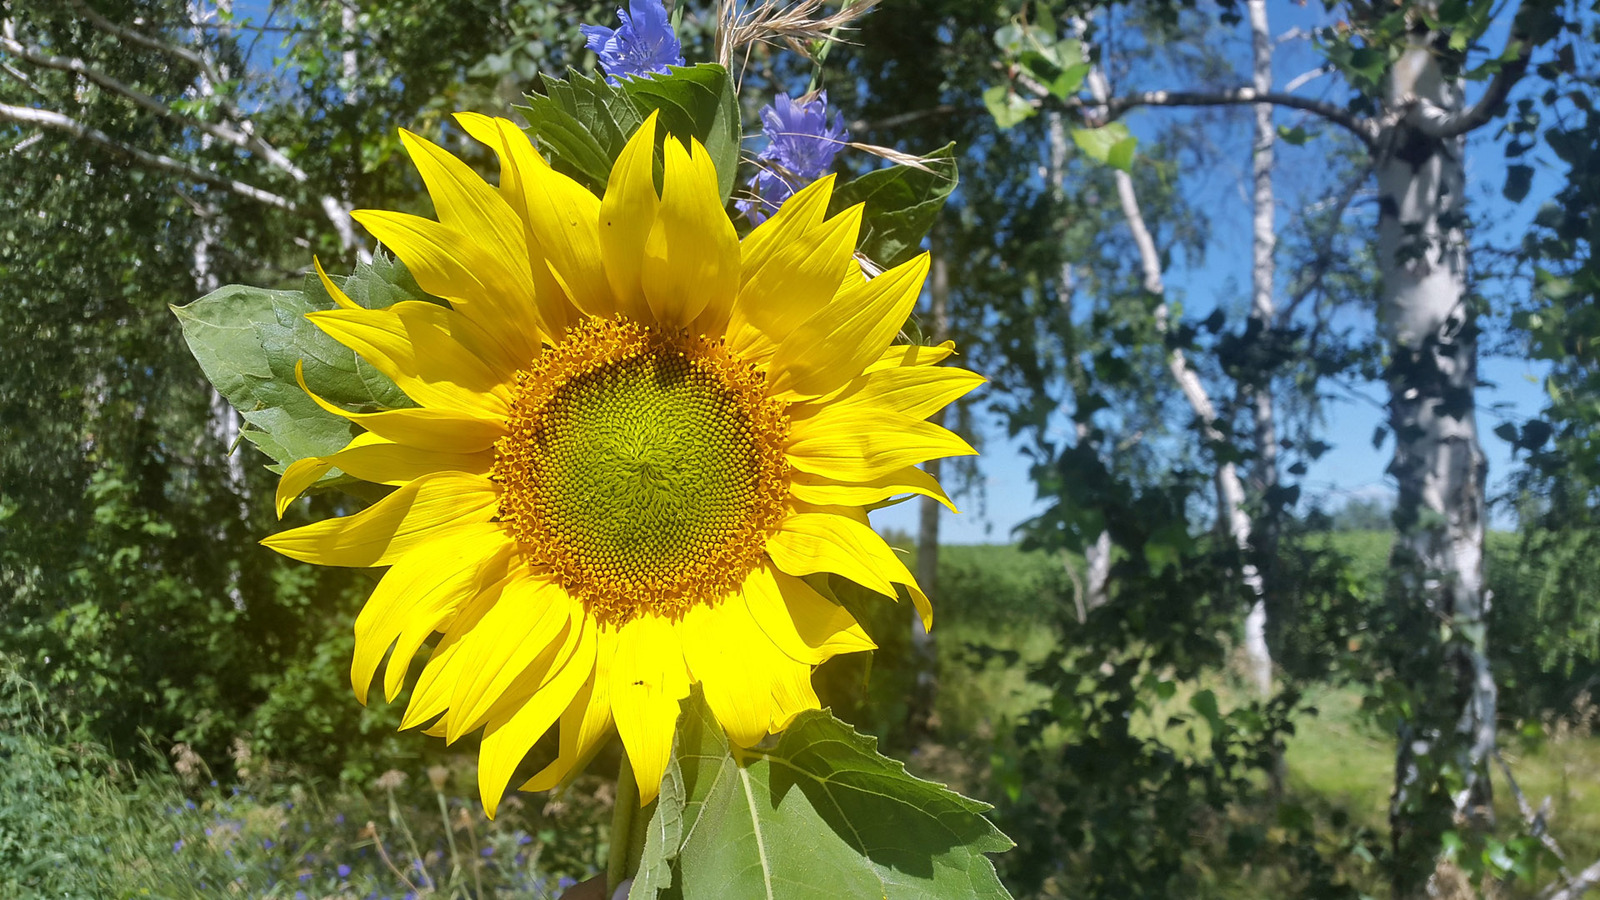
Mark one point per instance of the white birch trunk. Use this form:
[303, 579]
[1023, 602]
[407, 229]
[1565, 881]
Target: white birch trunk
[1262, 309]
[1231, 514]
[1438, 464]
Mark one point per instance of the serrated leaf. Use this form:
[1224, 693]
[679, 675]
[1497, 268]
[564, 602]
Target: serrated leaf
[822, 815]
[902, 204]
[1111, 144]
[247, 341]
[582, 122]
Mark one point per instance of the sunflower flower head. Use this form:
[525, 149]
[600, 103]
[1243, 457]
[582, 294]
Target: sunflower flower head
[641, 447]
[644, 44]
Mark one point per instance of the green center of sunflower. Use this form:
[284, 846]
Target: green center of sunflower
[644, 469]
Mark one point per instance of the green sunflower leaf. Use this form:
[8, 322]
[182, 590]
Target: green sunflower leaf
[821, 815]
[583, 123]
[247, 341]
[902, 204]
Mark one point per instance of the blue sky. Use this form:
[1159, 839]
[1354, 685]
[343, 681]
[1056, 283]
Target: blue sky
[1354, 468]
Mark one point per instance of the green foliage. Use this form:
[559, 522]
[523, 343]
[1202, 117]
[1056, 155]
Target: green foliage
[902, 203]
[1111, 144]
[249, 341]
[584, 122]
[820, 814]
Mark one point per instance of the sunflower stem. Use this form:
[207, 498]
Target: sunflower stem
[622, 816]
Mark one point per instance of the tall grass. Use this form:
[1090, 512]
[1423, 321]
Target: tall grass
[77, 823]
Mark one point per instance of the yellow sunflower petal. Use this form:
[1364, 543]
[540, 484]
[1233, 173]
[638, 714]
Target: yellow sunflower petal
[506, 742]
[627, 215]
[586, 721]
[371, 458]
[840, 340]
[805, 625]
[469, 206]
[912, 355]
[424, 348]
[338, 295]
[732, 659]
[825, 491]
[799, 214]
[691, 258]
[648, 678]
[792, 693]
[451, 264]
[811, 542]
[566, 219]
[915, 391]
[427, 429]
[303, 473]
[860, 445]
[530, 617]
[420, 592]
[518, 163]
[821, 622]
[791, 277]
[381, 533]
[430, 696]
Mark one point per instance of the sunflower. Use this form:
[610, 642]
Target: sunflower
[635, 437]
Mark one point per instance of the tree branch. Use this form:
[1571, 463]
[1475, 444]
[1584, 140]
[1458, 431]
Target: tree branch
[137, 37]
[1439, 123]
[1574, 887]
[245, 137]
[1325, 254]
[1115, 107]
[50, 119]
[140, 99]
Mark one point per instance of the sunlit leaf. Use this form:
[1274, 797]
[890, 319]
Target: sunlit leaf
[821, 815]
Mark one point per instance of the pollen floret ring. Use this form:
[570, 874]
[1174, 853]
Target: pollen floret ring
[644, 468]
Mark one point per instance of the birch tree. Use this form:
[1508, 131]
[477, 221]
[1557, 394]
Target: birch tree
[1411, 115]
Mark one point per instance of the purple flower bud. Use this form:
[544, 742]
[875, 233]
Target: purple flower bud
[344, 871]
[643, 45]
[801, 145]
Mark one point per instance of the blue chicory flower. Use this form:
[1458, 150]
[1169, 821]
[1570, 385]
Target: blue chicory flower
[801, 145]
[177, 845]
[344, 871]
[643, 45]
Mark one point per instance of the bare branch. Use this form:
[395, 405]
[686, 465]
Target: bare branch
[1114, 108]
[139, 98]
[1325, 254]
[1442, 124]
[905, 118]
[1538, 826]
[1574, 887]
[50, 119]
[1304, 78]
